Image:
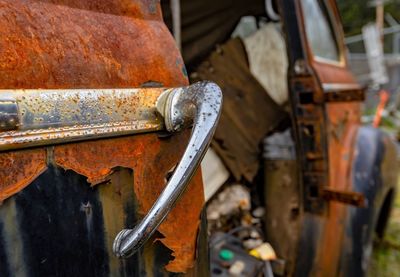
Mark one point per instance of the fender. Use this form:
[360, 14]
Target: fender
[374, 174]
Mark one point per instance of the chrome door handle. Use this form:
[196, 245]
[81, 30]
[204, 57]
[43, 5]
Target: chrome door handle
[199, 104]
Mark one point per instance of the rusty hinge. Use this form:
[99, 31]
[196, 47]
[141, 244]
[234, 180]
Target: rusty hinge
[346, 197]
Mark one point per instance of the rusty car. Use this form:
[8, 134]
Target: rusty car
[107, 108]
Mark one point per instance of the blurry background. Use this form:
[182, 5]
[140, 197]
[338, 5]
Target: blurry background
[357, 15]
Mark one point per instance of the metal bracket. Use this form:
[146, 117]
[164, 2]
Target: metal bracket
[346, 197]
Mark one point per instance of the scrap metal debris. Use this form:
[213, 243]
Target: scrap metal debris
[237, 245]
[229, 208]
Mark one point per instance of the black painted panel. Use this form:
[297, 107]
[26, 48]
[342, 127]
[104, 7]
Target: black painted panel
[58, 222]
[4, 266]
[60, 219]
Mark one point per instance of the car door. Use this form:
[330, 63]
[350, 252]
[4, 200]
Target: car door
[94, 148]
[326, 104]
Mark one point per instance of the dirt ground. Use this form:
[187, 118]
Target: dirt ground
[386, 256]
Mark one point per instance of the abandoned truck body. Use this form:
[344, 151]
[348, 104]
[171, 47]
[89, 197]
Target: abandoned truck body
[99, 172]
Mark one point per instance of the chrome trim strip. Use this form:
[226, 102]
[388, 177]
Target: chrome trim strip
[45, 117]
[329, 87]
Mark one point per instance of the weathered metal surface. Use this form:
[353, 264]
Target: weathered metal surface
[19, 169]
[345, 96]
[8, 114]
[72, 44]
[43, 117]
[55, 46]
[343, 121]
[310, 122]
[56, 116]
[374, 173]
[48, 111]
[338, 238]
[345, 197]
[146, 9]
[40, 109]
[320, 102]
[200, 105]
[146, 155]
[59, 225]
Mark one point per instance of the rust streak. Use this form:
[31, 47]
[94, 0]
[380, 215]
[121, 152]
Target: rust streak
[343, 125]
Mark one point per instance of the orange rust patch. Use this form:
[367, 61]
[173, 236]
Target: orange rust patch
[150, 158]
[80, 48]
[342, 127]
[19, 169]
[146, 9]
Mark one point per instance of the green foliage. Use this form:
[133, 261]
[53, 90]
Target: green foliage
[386, 256]
[356, 13]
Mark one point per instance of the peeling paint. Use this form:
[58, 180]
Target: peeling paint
[151, 158]
[19, 169]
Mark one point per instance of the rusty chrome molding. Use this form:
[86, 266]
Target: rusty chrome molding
[200, 105]
[42, 117]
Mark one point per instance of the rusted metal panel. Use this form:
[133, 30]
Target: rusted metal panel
[146, 9]
[342, 119]
[338, 116]
[146, 155]
[343, 123]
[328, 73]
[59, 116]
[87, 44]
[75, 48]
[309, 119]
[59, 221]
[19, 169]
[345, 96]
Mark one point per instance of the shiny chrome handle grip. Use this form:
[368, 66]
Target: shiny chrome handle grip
[200, 105]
